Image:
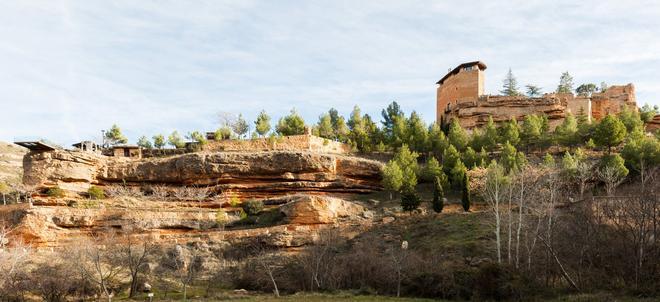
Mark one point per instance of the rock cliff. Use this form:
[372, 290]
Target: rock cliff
[246, 175]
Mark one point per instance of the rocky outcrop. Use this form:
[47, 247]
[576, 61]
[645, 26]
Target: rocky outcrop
[502, 108]
[175, 222]
[11, 162]
[247, 175]
[319, 210]
[654, 124]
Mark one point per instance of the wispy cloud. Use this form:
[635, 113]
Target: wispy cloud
[71, 68]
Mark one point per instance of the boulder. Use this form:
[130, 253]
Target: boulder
[319, 210]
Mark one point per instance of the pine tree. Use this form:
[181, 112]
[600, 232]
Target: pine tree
[144, 142]
[449, 159]
[565, 83]
[159, 141]
[566, 132]
[438, 196]
[392, 177]
[410, 201]
[437, 140]
[240, 126]
[510, 85]
[175, 140]
[262, 124]
[470, 158]
[324, 126]
[490, 135]
[457, 135]
[530, 133]
[508, 157]
[510, 132]
[114, 136]
[432, 170]
[465, 196]
[417, 133]
[457, 174]
[407, 161]
[292, 124]
[548, 161]
[533, 91]
[610, 132]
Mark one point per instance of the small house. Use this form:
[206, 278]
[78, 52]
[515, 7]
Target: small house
[132, 151]
[87, 146]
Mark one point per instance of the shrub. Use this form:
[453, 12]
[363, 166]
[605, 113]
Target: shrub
[95, 192]
[55, 192]
[253, 207]
[410, 200]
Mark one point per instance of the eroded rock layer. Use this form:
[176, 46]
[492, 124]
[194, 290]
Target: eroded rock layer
[257, 174]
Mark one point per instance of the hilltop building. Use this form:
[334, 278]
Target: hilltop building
[460, 94]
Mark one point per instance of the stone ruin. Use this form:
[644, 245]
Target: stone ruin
[460, 94]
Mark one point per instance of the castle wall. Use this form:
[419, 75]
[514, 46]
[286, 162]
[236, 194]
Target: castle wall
[612, 100]
[461, 87]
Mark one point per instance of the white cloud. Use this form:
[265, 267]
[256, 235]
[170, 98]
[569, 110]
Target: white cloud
[71, 68]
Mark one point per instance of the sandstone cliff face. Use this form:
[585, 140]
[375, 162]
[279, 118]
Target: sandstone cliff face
[502, 108]
[176, 222]
[654, 124]
[11, 162]
[257, 174]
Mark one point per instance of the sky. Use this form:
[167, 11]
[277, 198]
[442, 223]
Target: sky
[69, 69]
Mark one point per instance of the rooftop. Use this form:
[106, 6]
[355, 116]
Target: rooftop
[480, 64]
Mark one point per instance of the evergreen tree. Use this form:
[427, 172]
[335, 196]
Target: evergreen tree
[197, 136]
[240, 127]
[438, 196]
[470, 158]
[509, 157]
[410, 201]
[530, 133]
[431, 170]
[357, 130]
[324, 126]
[610, 132]
[584, 128]
[144, 142]
[407, 161]
[483, 158]
[399, 132]
[114, 136]
[390, 114]
[568, 165]
[565, 83]
[457, 174]
[175, 140]
[490, 135]
[262, 124]
[465, 196]
[437, 140]
[449, 159]
[647, 112]
[510, 85]
[341, 130]
[292, 124]
[457, 135]
[642, 154]
[586, 89]
[533, 91]
[566, 132]
[548, 161]
[159, 141]
[510, 132]
[631, 119]
[417, 133]
[392, 177]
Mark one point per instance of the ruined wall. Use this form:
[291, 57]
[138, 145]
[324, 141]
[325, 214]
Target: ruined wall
[458, 88]
[612, 100]
[292, 143]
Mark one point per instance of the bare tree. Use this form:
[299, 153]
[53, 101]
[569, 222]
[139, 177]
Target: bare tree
[583, 174]
[13, 265]
[494, 190]
[5, 231]
[318, 259]
[611, 177]
[52, 279]
[184, 264]
[266, 262]
[135, 256]
[99, 262]
[399, 257]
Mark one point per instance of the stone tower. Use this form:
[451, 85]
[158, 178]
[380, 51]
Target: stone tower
[465, 83]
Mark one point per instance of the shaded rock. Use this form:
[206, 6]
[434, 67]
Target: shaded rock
[319, 210]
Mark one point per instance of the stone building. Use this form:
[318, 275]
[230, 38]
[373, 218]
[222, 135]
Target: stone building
[131, 151]
[460, 94]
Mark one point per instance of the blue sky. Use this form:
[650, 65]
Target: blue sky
[71, 68]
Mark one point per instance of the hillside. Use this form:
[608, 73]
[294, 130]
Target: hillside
[11, 162]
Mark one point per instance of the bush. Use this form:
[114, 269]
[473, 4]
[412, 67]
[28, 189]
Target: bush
[253, 207]
[410, 200]
[55, 192]
[95, 192]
